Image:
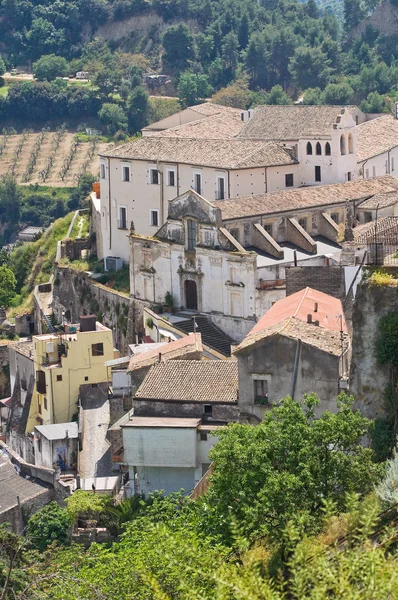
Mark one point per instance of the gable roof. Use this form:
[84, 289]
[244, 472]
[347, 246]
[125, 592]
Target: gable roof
[172, 350]
[191, 381]
[385, 230]
[218, 126]
[380, 201]
[189, 114]
[292, 122]
[236, 154]
[376, 136]
[289, 315]
[306, 197]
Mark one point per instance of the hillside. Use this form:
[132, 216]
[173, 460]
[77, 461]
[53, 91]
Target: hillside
[384, 20]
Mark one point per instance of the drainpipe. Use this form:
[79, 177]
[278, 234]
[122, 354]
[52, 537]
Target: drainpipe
[178, 179]
[110, 203]
[265, 180]
[229, 184]
[295, 368]
[161, 193]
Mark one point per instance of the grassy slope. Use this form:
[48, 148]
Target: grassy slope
[38, 259]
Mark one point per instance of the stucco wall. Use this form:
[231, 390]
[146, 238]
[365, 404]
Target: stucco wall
[330, 280]
[168, 479]
[274, 357]
[380, 164]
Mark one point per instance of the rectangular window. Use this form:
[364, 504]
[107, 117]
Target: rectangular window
[335, 217]
[203, 437]
[191, 227]
[40, 382]
[39, 408]
[374, 171]
[260, 392]
[367, 173]
[171, 178]
[303, 223]
[86, 378]
[39, 443]
[45, 403]
[368, 217]
[392, 164]
[154, 218]
[235, 233]
[97, 349]
[268, 228]
[197, 183]
[103, 171]
[220, 188]
[289, 180]
[59, 377]
[122, 221]
[208, 410]
[318, 174]
[154, 176]
[349, 177]
[125, 173]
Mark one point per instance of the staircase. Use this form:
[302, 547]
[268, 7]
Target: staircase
[211, 335]
[46, 322]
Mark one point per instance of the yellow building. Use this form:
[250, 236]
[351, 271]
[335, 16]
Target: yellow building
[64, 362]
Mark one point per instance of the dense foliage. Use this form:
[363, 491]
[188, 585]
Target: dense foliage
[51, 523]
[280, 48]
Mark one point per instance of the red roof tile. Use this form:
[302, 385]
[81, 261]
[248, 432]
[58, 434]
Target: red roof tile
[172, 350]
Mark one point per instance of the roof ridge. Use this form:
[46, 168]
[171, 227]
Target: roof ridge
[305, 290]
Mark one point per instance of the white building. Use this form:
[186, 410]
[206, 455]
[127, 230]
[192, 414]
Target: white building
[378, 147]
[167, 453]
[56, 446]
[324, 138]
[139, 179]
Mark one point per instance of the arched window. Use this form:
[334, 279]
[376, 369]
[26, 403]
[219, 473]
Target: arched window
[350, 144]
[318, 149]
[342, 144]
[327, 149]
[309, 148]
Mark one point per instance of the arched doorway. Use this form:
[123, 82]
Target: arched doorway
[191, 295]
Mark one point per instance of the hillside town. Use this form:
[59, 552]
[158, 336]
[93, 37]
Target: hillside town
[249, 240]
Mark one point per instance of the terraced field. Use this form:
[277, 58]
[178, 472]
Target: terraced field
[53, 158]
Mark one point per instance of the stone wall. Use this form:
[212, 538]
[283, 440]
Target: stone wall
[369, 380]
[77, 294]
[155, 408]
[5, 389]
[329, 280]
[72, 249]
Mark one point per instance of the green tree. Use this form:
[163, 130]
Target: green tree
[7, 286]
[277, 95]
[236, 95]
[338, 93]
[310, 67]
[50, 67]
[313, 96]
[193, 88]
[280, 470]
[113, 117]
[2, 66]
[49, 524]
[353, 13]
[375, 103]
[138, 110]
[229, 52]
[85, 505]
[178, 44]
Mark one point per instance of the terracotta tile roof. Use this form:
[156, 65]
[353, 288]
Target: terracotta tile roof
[288, 317]
[25, 348]
[210, 108]
[287, 200]
[192, 381]
[387, 231]
[219, 126]
[380, 200]
[172, 350]
[376, 136]
[235, 154]
[292, 122]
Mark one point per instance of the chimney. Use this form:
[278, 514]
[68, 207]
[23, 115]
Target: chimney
[316, 323]
[309, 318]
[160, 357]
[316, 307]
